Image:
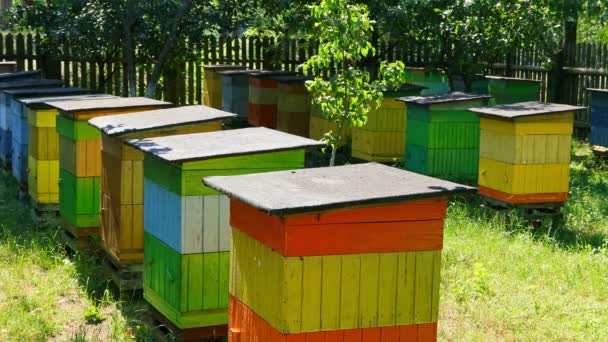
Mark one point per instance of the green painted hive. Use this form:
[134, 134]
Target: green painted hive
[443, 136]
[507, 90]
[435, 82]
[186, 224]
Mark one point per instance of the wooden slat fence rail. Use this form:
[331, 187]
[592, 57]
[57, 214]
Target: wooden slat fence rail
[586, 66]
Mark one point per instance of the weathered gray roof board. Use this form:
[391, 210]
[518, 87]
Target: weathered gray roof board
[441, 98]
[272, 73]
[28, 83]
[320, 189]
[43, 102]
[108, 103]
[237, 72]
[406, 87]
[512, 79]
[122, 124]
[224, 67]
[33, 92]
[20, 75]
[523, 109]
[229, 143]
[8, 63]
[598, 90]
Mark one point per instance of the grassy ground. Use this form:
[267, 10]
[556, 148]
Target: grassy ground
[502, 278]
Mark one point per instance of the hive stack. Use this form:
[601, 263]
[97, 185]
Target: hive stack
[382, 139]
[507, 90]
[43, 149]
[8, 67]
[263, 97]
[293, 107]
[20, 125]
[443, 136]
[187, 234]
[235, 92]
[25, 80]
[313, 262]
[122, 180]
[80, 160]
[525, 152]
[599, 118]
[434, 82]
[212, 91]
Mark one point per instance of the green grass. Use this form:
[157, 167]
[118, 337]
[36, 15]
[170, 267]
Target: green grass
[502, 279]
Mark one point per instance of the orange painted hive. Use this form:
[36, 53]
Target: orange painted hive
[263, 97]
[350, 253]
[80, 157]
[122, 176]
[293, 105]
[524, 152]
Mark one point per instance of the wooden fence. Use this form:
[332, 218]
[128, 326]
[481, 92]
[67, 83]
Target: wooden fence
[585, 66]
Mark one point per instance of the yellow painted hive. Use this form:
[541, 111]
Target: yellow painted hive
[212, 89]
[293, 105]
[524, 152]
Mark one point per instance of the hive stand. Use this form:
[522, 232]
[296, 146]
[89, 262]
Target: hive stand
[263, 97]
[443, 136]
[27, 80]
[20, 125]
[80, 158]
[433, 81]
[382, 138]
[43, 150]
[186, 230]
[347, 253]
[506, 90]
[235, 94]
[122, 181]
[524, 154]
[212, 89]
[599, 121]
[8, 67]
[293, 106]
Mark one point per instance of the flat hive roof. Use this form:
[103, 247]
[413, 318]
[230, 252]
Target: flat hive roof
[108, 103]
[19, 74]
[523, 109]
[237, 72]
[43, 102]
[121, 124]
[33, 92]
[229, 143]
[327, 188]
[442, 98]
[598, 90]
[220, 67]
[272, 73]
[29, 82]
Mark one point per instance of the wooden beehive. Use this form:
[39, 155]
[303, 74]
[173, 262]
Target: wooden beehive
[16, 81]
[599, 117]
[8, 67]
[80, 157]
[212, 89]
[350, 253]
[235, 92]
[434, 81]
[319, 125]
[524, 152]
[43, 147]
[382, 138]
[507, 90]
[443, 136]
[122, 180]
[263, 97]
[187, 235]
[293, 105]
[20, 125]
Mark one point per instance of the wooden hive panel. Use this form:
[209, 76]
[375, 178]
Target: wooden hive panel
[506, 90]
[247, 326]
[44, 143]
[81, 158]
[43, 180]
[19, 162]
[190, 290]
[307, 288]
[79, 199]
[436, 82]
[293, 108]
[212, 88]
[235, 94]
[318, 126]
[599, 117]
[42, 117]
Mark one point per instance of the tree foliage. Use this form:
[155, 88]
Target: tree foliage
[346, 97]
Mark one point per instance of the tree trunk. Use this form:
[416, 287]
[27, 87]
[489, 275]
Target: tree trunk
[129, 51]
[164, 54]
